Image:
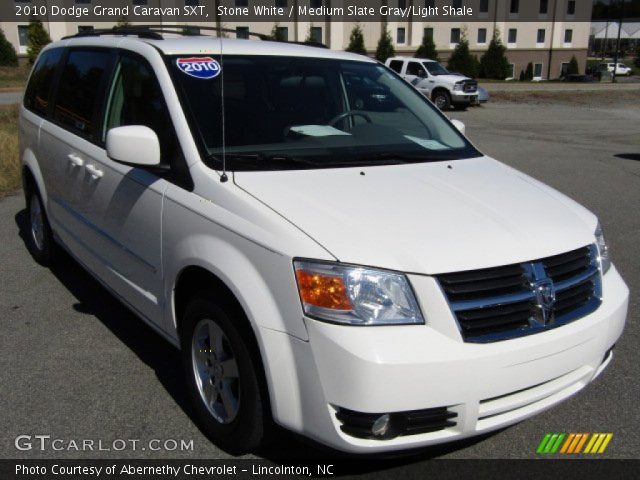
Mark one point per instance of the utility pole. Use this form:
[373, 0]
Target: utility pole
[615, 59]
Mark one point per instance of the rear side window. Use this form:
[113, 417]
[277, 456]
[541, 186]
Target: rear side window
[80, 94]
[396, 65]
[38, 94]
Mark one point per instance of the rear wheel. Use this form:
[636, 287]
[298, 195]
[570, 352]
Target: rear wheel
[39, 236]
[223, 376]
[442, 99]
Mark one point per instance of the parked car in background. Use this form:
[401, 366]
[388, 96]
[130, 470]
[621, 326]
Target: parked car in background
[483, 95]
[444, 88]
[620, 70]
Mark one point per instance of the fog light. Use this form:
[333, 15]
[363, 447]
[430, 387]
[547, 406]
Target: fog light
[381, 426]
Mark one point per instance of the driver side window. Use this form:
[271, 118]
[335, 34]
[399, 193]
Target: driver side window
[415, 68]
[136, 99]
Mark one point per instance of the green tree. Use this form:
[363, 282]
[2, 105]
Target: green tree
[277, 34]
[528, 74]
[356, 41]
[494, 63]
[8, 56]
[574, 68]
[523, 76]
[37, 39]
[123, 22]
[385, 46]
[427, 48]
[462, 61]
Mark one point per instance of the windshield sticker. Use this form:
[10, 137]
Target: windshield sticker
[428, 144]
[199, 67]
[317, 130]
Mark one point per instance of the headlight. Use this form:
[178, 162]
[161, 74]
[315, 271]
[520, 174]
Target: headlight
[356, 295]
[603, 250]
[457, 87]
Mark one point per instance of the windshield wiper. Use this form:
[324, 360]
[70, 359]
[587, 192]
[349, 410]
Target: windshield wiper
[262, 160]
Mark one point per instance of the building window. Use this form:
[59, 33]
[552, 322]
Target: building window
[242, 32]
[544, 7]
[401, 36]
[428, 33]
[23, 37]
[537, 71]
[482, 35]
[568, 36]
[281, 3]
[316, 34]
[542, 34]
[85, 28]
[455, 35]
[511, 71]
[571, 7]
[484, 6]
[515, 6]
[564, 68]
[283, 33]
[513, 36]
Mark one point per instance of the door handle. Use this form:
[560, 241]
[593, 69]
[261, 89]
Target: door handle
[75, 160]
[95, 173]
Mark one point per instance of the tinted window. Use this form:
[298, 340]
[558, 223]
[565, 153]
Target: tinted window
[80, 93]
[136, 99]
[414, 68]
[396, 65]
[38, 92]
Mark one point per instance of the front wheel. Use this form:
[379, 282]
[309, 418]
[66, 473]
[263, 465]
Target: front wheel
[222, 374]
[442, 99]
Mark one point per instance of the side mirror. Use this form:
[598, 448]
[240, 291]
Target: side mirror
[460, 126]
[133, 145]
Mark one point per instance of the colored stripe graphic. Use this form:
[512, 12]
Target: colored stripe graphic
[573, 443]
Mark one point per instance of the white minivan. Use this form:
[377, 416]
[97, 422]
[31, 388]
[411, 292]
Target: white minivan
[326, 248]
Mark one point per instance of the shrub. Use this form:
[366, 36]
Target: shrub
[385, 46]
[427, 49]
[573, 68]
[523, 77]
[528, 76]
[37, 39]
[8, 56]
[277, 34]
[462, 61]
[356, 41]
[494, 63]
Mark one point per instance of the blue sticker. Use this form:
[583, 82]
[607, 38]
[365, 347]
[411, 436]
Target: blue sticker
[199, 67]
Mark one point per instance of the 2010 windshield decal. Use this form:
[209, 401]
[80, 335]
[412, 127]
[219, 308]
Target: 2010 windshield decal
[199, 67]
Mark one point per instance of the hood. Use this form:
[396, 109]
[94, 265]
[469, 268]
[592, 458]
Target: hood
[451, 78]
[426, 218]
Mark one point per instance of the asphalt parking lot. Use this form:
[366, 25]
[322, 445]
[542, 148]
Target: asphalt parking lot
[75, 364]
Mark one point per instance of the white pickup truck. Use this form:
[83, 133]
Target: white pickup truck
[436, 82]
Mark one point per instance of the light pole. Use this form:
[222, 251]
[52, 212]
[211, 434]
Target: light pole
[615, 59]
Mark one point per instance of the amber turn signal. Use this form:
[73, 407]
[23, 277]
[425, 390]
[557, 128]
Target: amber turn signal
[326, 291]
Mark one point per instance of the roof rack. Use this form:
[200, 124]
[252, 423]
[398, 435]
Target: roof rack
[155, 31]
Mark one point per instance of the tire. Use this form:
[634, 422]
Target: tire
[223, 375]
[39, 237]
[442, 99]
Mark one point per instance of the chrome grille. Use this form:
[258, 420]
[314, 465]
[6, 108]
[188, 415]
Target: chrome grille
[470, 86]
[500, 303]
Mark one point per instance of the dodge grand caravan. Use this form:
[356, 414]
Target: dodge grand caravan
[328, 251]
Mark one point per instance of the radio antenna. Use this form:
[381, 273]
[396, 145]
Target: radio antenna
[223, 177]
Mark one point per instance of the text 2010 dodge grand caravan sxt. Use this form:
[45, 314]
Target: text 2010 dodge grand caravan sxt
[326, 248]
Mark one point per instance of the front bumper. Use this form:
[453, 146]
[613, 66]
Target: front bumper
[396, 369]
[461, 98]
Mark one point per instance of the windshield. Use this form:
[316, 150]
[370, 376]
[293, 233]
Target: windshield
[434, 68]
[301, 113]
